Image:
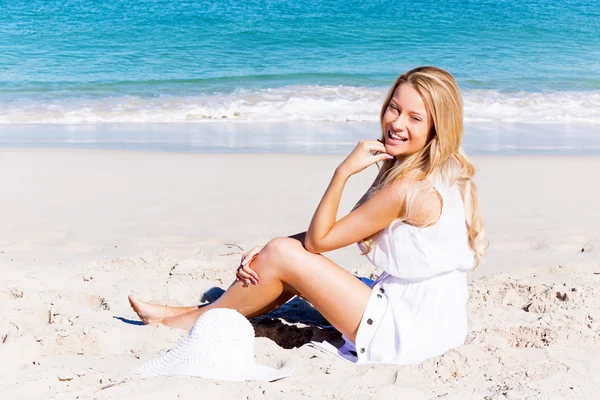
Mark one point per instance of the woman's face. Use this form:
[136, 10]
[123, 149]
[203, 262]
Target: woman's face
[405, 122]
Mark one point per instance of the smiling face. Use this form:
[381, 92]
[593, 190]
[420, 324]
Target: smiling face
[405, 122]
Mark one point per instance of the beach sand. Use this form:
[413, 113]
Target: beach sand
[82, 229]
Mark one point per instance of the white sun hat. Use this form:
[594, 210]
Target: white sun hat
[219, 346]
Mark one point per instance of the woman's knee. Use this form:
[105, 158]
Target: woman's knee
[280, 252]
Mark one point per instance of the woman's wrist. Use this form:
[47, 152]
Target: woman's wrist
[341, 172]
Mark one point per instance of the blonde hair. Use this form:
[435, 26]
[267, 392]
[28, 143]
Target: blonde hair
[441, 157]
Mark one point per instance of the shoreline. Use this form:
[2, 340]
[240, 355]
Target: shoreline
[293, 137]
[247, 152]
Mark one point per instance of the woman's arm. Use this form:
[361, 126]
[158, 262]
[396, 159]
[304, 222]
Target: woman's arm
[324, 233]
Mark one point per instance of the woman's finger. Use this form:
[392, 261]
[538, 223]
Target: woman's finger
[249, 259]
[383, 157]
[246, 256]
[376, 145]
[253, 275]
[244, 277]
[248, 273]
[246, 268]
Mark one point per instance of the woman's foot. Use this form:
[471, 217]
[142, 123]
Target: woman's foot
[150, 314]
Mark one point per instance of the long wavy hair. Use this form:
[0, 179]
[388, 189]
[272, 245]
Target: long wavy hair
[440, 158]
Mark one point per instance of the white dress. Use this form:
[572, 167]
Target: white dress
[417, 309]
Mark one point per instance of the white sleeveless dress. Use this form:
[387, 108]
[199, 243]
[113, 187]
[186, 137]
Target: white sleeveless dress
[417, 309]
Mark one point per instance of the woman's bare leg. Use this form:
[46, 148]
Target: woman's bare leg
[285, 265]
[153, 313]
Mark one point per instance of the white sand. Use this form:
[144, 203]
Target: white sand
[79, 230]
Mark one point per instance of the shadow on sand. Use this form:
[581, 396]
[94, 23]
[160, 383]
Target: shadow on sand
[291, 325]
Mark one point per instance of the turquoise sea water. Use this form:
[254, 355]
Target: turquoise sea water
[534, 64]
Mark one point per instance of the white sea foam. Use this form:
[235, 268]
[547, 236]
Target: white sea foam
[525, 107]
[296, 103]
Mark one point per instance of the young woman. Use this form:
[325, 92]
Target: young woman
[419, 222]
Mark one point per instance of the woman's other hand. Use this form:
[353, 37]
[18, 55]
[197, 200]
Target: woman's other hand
[366, 153]
[244, 273]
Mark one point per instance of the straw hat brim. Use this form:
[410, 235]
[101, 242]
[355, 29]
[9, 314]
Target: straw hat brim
[192, 355]
[170, 364]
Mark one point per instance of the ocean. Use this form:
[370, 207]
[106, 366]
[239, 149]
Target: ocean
[292, 76]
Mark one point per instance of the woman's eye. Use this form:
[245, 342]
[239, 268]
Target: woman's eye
[416, 119]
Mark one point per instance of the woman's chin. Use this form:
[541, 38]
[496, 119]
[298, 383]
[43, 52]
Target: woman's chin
[393, 150]
[398, 151]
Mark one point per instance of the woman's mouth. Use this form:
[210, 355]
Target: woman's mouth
[395, 138]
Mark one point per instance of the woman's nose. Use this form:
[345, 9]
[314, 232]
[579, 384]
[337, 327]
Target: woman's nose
[399, 123]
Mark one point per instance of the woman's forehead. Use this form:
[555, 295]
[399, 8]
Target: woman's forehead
[409, 97]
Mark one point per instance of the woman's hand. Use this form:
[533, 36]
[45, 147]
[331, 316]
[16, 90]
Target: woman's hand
[366, 153]
[244, 273]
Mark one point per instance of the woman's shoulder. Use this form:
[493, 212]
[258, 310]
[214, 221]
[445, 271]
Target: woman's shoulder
[421, 198]
[407, 184]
